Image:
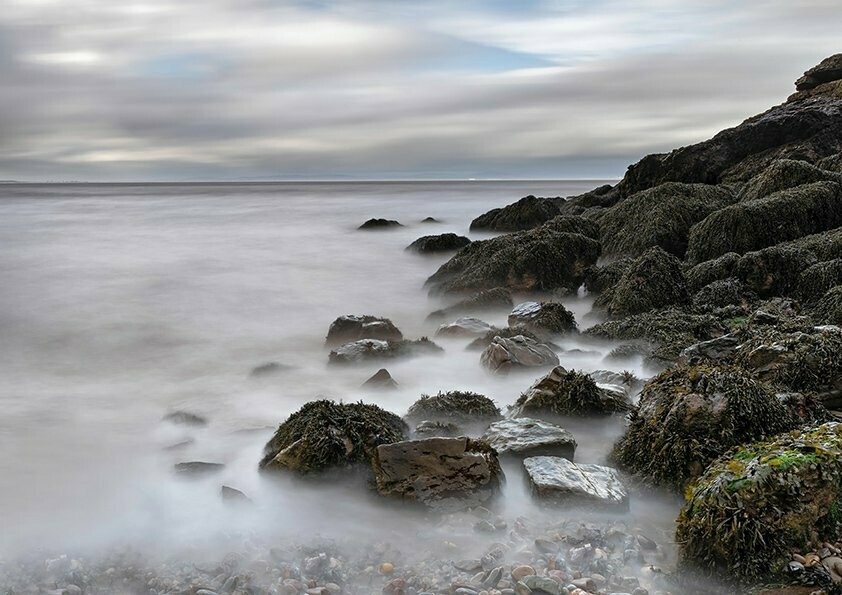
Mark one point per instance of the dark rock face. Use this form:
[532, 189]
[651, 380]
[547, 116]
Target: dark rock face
[548, 257]
[829, 69]
[543, 317]
[504, 355]
[498, 298]
[525, 437]
[442, 473]
[563, 394]
[555, 480]
[688, 416]
[351, 327]
[460, 407]
[756, 224]
[653, 281]
[377, 224]
[381, 380]
[323, 435]
[782, 175]
[661, 216]
[365, 350]
[445, 242]
[526, 213]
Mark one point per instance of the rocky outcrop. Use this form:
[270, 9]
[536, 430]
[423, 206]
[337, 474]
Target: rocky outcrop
[829, 308]
[828, 70]
[445, 474]
[381, 380]
[445, 242]
[467, 326]
[543, 318]
[377, 224]
[555, 480]
[526, 437]
[563, 393]
[784, 174]
[504, 355]
[815, 281]
[498, 298]
[552, 256]
[599, 279]
[652, 281]
[460, 407]
[721, 293]
[324, 435]
[528, 212]
[659, 217]
[366, 350]
[351, 327]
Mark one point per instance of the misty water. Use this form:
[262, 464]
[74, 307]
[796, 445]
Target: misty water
[121, 303]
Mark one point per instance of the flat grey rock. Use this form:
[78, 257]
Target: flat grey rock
[527, 437]
[557, 480]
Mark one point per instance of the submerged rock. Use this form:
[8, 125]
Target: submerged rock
[198, 468]
[543, 317]
[561, 394]
[652, 281]
[233, 496]
[324, 434]
[559, 481]
[185, 418]
[445, 242]
[365, 350]
[467, 326]
[269, 369]
[498, 298]
[430, 429]
[351, 328]
[503, 355]
[381, 380]
[442, 473]
[373, 224]
[461, 407]
[528, 212]
[527, 437]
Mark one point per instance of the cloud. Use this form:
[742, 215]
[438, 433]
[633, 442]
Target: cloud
[251, 89]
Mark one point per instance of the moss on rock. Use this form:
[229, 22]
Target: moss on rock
[461, 407]
[654, 280]
[563, 393]
[815, 281]
[543, 318]
[783, 174]
[721, 293]
[829, 309]
[602, 278]
[530, 211]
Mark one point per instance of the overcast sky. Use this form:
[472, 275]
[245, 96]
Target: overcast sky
[355, 89]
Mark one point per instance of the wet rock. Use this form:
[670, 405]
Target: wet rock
[528, 212]
[460, 407]
[351, 328]
[482, 342]
[430, 429]
[563, 393]
[365, 350]
[381, 380]
[498, 298]
[503, 355]
[543, 317]
[526, 437]
[234, 496]
[654, 280]
[269, 369]
[541, 585]
[185, 418]
[441, 473]
[557, 480]
[782, 175]
[445, 242]
[720, 348]
[467, 326]
[829, 69]
[197, 468]
[323, 435]
[376, 224]
[430, 220]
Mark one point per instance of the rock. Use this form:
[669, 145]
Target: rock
[198, 468]
[365, 350]
[185, 418]
[552, 256]
[268, 369]
[467, 326]
[561, 394]
[816, 280]
[234, 496]
[442, 473]
[430, 220]
[829, 308]
[431, 429]
[659, 217]
[376, 224]
[527, 437]
[688, 416]
[761, 502]
[831, 163]
[654, 280]
[323, 435]
[445, 242]
[782, 175]
[720, 348]
[482, 342]
[722, 293]
[755, 224]
[829, 69]
[538, 317]
[503, 355]
[381, 380]
[557, 480]
[351, 328]
[526, 213]
[498, 298]
[541, 585]
[602, 278]
[460, 407]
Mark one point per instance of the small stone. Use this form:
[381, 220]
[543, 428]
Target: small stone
[519, 572]
[386, 568]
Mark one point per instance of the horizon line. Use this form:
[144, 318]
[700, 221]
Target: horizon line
[311, 181]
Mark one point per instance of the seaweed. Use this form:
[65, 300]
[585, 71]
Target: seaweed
[653, 281]
[828, 310]
[564, 393]
[456, 405]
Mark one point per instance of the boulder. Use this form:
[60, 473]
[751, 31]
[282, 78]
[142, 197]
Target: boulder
[185, 418]
[689, 415]
[563, 393]
[831, 163]
[602, 278]
[543, 317]
[460, 407]
[467, 326]
[758, 504]
[233, 496]
[445, 474]
[718, 349]
[659, 217]
[784, 174]
[365, 350]
[430, 220]
[815, 281]
[483, 341]
[198, 468]
[654, 280]
[722, 293]
[555, 480]
[717, 269]
[323, 435]
[498, 298]
[526, 437]
[269, 369]
[351, 327]
[445, 242]
[552, 256]
[377, 224]
[755, 224]
[503, 355]
[829, 309]
[381, 380]
[528, 212]
[430, 429]
[829, 69]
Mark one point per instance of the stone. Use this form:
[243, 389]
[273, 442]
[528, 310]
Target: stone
[185, 418]
[543, 317]
[353, 327]
[365, 350]
[829, 69]
[720, 348]
[456, 406]
[445, 242]
[231, 495]
[503, 355]
[467, 326]
[654, 280]
[498, 298]
[197, 468]
[377, 224]
[559, 481]
[563, 393]
[381, 380]
[530, 211]
[525, 437]
[269, 369]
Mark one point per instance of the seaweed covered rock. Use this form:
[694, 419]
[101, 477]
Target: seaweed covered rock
[445, 474]
[456, 406]
[784, 174]
[563, 393]
[526, 437]
[831, 163]
[530, 211]
[815, 281]
[324, 435]
[654, 280]
[365, 350]
[756, 224]
[690, 415]
[377, 224]
[552, 256]
[445, 242]
[352, 327]
[829, 308]
[556, 480]
[543, 317]
[721, 293]
[604, 277]
[716, 269]
[504, 355]
[497, 298]
[759, 503]
[661, 216]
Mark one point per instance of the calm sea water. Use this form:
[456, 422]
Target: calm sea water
[120, 303]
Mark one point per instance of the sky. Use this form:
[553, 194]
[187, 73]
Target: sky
[253, 90]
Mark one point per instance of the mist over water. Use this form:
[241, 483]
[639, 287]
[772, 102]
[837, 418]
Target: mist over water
[121, 303]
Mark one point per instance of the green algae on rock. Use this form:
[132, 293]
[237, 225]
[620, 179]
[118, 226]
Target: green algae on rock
[654, 280]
